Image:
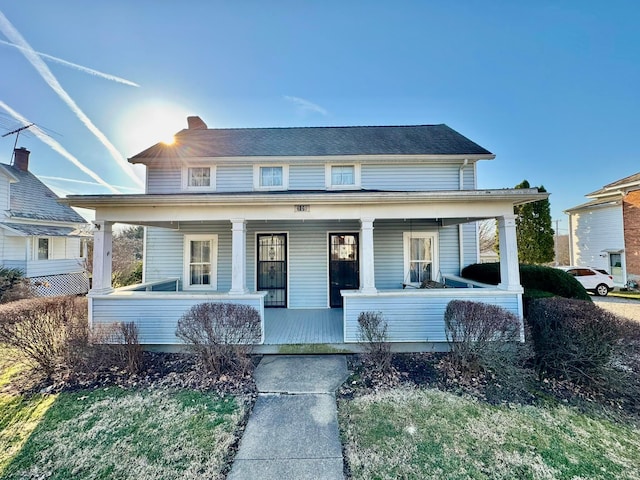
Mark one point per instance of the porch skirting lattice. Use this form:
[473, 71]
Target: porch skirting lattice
[65, 284]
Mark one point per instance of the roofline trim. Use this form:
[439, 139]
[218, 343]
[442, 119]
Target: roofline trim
[387, 158]
[517, 196]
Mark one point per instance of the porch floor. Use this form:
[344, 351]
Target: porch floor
[284, 326]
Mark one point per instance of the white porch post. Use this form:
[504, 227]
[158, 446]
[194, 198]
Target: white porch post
[102, 249]
[238, 256]
[509, 267]
[367, 271]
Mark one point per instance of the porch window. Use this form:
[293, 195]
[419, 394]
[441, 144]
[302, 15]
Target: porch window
[200, 261]
[420, 257]
[342, 176]
[42, 252]
[271, 177]
[198, 178]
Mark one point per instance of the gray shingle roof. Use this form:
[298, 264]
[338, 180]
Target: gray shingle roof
[32, 199]
[44, 230]
[631, 179]
[315, 141]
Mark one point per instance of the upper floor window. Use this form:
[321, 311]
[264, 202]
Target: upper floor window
[271, 177]
[420, 257]
[198, 178]
[342, 176]
[43, 249]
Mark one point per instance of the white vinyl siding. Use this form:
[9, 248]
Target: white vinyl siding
[235, 178]
[411, 177]
[230, 177]
[306, 177]
[593, 231]
[164, 179]
[164, 252]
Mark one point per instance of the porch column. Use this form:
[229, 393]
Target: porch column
[367, 271]
[509, 267]
[238, 256]
[102, 249]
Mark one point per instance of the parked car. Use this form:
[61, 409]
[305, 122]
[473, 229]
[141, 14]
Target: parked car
[593, 280]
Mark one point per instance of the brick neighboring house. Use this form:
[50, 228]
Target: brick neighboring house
[605, 231]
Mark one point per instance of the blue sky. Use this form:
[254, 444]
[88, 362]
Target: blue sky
[552, 88]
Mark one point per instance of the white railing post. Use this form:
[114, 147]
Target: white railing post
[102, 253]
[238, 256]
[367, 270]
[509, 267]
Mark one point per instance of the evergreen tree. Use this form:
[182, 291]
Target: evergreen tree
[533, 230]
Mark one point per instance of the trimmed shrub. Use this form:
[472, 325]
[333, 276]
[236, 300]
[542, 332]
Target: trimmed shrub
[221, 335]
[49, 332]
[481, 336]
[574, 339]
[372, 332]
[532, 277]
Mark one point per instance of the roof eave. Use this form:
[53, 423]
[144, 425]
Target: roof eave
[515, 196]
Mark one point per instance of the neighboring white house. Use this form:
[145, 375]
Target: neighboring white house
[312, 226]
[604, 232]
[38, 235]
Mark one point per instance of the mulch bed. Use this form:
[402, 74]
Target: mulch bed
[435, 370]
[159, 370]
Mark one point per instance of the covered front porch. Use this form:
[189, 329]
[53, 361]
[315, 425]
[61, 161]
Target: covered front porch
[390, 228]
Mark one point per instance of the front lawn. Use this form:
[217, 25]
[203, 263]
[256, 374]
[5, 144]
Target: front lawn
[116, 433]
[428, 433]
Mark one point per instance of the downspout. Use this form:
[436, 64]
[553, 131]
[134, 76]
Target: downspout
[460, 226]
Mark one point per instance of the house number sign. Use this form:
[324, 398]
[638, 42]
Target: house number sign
[302, 208]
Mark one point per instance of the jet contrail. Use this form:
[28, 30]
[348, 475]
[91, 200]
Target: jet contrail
[75, 66]
[12, 34]
[57, 147]
[83, 182]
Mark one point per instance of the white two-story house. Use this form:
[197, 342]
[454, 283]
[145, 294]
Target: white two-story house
[311, 226]
[39, 236]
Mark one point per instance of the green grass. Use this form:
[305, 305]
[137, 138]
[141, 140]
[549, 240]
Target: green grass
[119, 434]
[432, 434]
[114, 433]
[631, 295]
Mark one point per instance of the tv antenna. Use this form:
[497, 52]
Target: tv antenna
[17, 132]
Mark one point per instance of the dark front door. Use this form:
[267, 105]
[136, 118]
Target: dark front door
[272, 268]
[344, 271]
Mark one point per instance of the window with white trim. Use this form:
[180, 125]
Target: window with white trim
[420, 257]
[198, 178]
[43, 249]
[200, 261]
[342, 176]
[271, 177]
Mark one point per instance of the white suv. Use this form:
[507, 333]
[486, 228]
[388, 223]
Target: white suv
[593, 280]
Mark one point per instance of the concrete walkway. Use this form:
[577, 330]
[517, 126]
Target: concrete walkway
[292, 432]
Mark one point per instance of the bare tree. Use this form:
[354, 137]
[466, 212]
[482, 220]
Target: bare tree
[487, 235]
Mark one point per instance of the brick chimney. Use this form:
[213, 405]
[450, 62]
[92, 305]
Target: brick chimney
[21, 159]
[196, 123]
